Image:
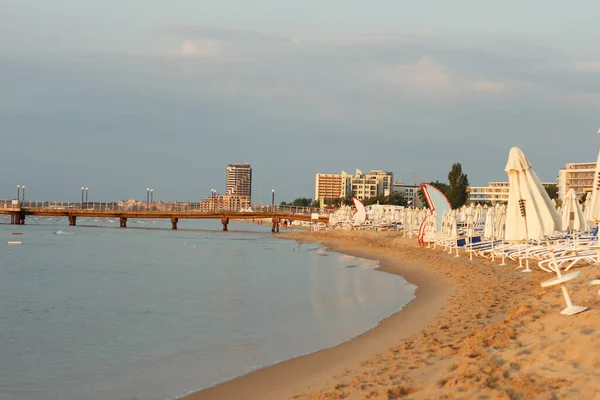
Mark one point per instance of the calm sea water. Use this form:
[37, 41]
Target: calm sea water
[139, 313]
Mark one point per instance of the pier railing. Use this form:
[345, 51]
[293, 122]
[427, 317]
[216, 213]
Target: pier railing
[155, 206]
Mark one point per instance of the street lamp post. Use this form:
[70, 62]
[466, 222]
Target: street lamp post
[23, 193]
[147, 195]
[86, 195]
[272, 199]
[18, 192]
[151, 196]
[82, 191]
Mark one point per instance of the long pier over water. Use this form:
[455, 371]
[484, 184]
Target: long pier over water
[19, 210]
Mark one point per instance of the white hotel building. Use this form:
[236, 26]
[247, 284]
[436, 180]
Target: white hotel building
[362, 186]
[494, 192]
[409, 192]
[577, 176]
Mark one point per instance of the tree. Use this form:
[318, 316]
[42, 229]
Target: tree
[302, 202]
[394, 199]
[348, 199]
[444, 187]
[458, 184]
[559, 203]
[397, 199]
[552, 191]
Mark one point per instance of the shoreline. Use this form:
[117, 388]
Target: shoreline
[288, 378]
[496, 334]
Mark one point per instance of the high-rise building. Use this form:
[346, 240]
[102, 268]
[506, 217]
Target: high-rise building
[330, 186]
[238, 179]
[577, 176]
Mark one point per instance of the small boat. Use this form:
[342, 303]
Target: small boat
[17, 233]
[15, 242]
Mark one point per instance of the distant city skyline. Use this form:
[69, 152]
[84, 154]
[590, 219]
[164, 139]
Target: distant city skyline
[120, 96]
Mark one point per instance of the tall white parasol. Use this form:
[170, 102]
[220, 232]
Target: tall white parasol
[529, 212]
[594, 206]
[571, 215]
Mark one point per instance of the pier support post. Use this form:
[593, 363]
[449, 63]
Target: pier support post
[72, 220]
[123, 222]
[225, 221]
[174, 222]
[13, 219]
[21, 219]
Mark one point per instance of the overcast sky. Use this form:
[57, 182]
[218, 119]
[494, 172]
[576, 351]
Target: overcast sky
[121, 95]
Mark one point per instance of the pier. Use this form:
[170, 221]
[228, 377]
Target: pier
[19, 210]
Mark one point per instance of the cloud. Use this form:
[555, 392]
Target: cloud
[587, 66]
[198, 48]
[425, 78]
[486, 86]
[225, 34]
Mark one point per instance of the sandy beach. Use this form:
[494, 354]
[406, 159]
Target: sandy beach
[475, 330]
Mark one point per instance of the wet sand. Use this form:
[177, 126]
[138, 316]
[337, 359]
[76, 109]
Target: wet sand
[475, 330]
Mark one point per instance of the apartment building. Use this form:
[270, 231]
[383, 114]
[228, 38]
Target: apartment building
[238, 179]
[360, 185]
[374, 183]
[218, 203]
[494, 192]
[330, 186]
[577, 176]
[409, 192]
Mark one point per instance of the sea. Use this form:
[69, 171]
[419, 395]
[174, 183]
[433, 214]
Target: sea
[97, 312]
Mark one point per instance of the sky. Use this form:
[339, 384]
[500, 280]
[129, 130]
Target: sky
[124, 95]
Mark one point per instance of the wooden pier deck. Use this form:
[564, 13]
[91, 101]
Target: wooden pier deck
[277, 214]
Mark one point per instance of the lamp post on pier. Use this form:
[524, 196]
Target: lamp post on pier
[213, 194]
[23, 193]
[86, 196]
[18, 192]
[82, 191]
[151, 196]
[272, 200]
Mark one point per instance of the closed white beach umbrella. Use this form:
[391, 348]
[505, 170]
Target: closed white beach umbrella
[432, 221]
[594, 206]
[479, 213]
[572, 217]
[445, 222]
[586, 206]
[488, 228]
[529, 213]
[452, 223]
[462, 217]
[421, 215]
[500, 221]
[470, 223]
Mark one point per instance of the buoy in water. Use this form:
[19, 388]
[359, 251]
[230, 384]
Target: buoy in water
[15, 242]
